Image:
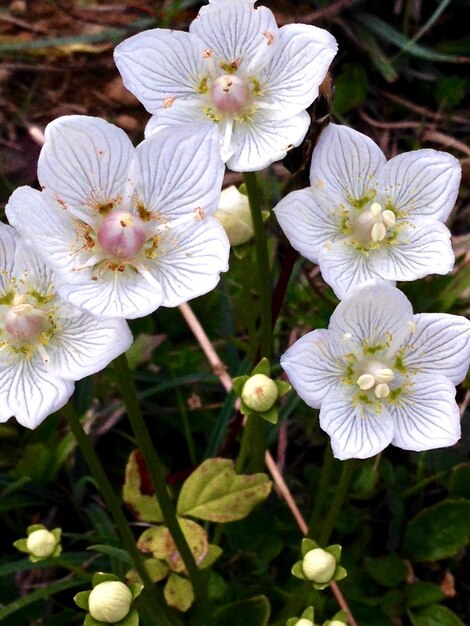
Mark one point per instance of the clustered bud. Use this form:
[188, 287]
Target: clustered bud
[110, 601]
[319, 565]
[40, 543]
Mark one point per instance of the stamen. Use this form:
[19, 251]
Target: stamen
[375, 209]
[366, 381]
[388, 217]
[411, 325]
[43, 352]
[382, 390]
[384, 376]
[378, 232]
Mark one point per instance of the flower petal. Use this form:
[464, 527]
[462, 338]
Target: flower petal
[307, 226]
[344, 165]
[84, 162]
[377, 312]
[439, 345]
[31, 271]
[427, 416]
[314, 366]
[357, 432]
[422, 183]
[159, 64]
[31, 390]
[178, 113]
[422, 248]
[83, 344]
[179, 170]
[111, 293]
[8, 243]
[190, 256]
[237, 33]
[345, 268]
[299, 64]
[264, 138]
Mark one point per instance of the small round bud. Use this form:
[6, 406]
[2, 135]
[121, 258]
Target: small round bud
[319, 565]
[259, 393]
[335, 622]
[230, 93]
[41, 543]
[110, 601]
[122, 234]
[25, 323]
[234, 214]
[304, 622]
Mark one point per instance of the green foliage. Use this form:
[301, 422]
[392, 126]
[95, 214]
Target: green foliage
[435, 615]
[255, 611]
[350, 88]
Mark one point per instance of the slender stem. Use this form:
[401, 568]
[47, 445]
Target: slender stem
[262, 257]
[253, 445]
[321, 490]
[340, 495]
[154, 466]
[116, 511]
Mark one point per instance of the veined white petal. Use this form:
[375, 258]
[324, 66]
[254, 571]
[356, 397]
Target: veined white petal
[439, 345]
[374, 312]
[314, 366]
[84, 162]
[31, 271]
[422, 183]
[8, 242]
[357, 432]
[344, 166]
[344, 267]
[31, 390]
[420, 249]
[112, 293]
[190, 257]
[178, 171]
[159, 64]
[84, 344]
[299, 64]
[237, 33]
[176, 114]
[264, 138]
[306, 225]
[427, 416]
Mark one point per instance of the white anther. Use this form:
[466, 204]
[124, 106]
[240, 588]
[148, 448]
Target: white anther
[375, 209]
[384, 376]
[382, 390]
[378, 232]
[347, 336]
[388, 218]
[366, 381]
[411, 325]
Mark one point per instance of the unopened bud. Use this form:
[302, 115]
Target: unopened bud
[230, 93]
[319, 565]
[110, 601]
[234, 214]
[24, 322]
[259, 393]
[41, 543]
[122, 234]
[304, 622]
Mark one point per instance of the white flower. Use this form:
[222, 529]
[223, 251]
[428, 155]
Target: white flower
[363, 218]
[381, 375]
[45, 343]
[234, 214]
[236, 68]
[126, 230]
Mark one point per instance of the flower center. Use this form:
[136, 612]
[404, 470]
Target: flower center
[122, 234]
[372, 223]
[25, 323]
[375, 375]
[230, 93]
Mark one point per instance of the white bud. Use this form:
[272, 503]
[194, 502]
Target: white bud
[230, 93]
[304, 622]
[122, 234]
[319, 565]
[41, 543]
[259, 393]
[234, 214]
[110, 601]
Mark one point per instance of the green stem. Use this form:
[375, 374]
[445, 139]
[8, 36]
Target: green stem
[116, 511]
[340, 495]
[321, 491]
[253, 445]
[154, 466]
[262, 258]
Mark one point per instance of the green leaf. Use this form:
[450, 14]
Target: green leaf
[298, 571]
[213, 553]
[454, 289]
[252, 612]
[143, 506]
[350, 88]
[81, 599]
[307, 545]
[438, 532]
[117, 553]
[435, 615]
[132, 619]
[459, 483]
[422, 593]
[91, 621]
[158, 570]
[271, 415]
[103, 577]
[282, 387]
[388, 571]
[20, 544]
[238, 382]
[214, 492]
[263, 367]
[178, 592]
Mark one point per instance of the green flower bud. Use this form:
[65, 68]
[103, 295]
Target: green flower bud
[319, 565]
[110, 601]
[235, 216]
[41, 543]
[259, 393]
